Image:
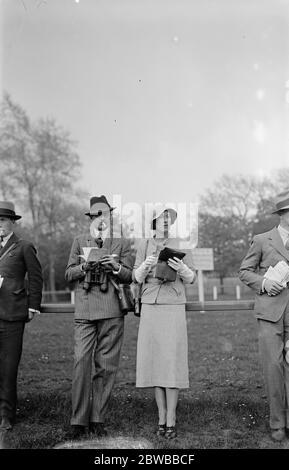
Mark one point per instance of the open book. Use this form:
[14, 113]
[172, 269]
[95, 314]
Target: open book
[279, 273]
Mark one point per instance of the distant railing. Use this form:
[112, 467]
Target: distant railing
[58, 296]
[232, 289]
[210, 305]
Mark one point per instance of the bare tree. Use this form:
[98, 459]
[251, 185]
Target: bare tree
[232, 195]
[39, 167]
[233, 210]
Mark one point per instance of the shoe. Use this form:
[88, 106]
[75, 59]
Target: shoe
[171, 432]
[77, 431]
[278, 434]
[5, 423]
[98, 429]
[161, 431]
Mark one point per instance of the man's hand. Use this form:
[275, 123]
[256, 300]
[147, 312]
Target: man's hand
[31, 313]
[89, 266]
[109, 262]
[273, 287]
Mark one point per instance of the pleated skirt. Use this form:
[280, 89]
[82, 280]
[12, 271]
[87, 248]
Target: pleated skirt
[162, 347]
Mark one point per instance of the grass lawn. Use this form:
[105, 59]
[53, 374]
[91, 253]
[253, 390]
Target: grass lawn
[225, 406]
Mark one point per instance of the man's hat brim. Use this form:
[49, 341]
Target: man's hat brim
[110, 209]
[10, 216]
[285, 208]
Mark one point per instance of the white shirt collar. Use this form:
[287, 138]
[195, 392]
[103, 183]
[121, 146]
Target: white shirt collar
[283, 233]
[5, 239]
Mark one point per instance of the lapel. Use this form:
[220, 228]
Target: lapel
[10, 245]
[111, 244]
[277, 242]
[89, 241]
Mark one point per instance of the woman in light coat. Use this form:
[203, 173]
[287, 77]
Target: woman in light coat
[162, 347]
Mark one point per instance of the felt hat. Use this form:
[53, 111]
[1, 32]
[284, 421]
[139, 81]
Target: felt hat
[7, 209]
[99, 205]
[281, 202]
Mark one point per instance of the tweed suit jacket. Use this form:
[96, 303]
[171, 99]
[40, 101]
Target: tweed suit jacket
[97, 305]
[16, 295]
[266, 250]
[154, 290]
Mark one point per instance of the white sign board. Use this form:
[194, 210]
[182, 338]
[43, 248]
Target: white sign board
[203, 259]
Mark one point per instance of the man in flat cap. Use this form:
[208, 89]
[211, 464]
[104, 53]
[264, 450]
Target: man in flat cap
[99, 321]
[18, 304]
[272, 312]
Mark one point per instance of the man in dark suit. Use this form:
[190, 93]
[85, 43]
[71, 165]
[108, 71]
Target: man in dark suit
[99, 322]
[17, 306]
[272, 312]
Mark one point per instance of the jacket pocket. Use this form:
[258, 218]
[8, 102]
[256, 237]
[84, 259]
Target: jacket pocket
[19, 291]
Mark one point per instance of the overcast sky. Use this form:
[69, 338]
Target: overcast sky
[163, 96]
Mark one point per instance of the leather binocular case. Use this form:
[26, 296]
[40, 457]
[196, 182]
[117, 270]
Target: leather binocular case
[137, 307]
[125, 296]
[126, 301]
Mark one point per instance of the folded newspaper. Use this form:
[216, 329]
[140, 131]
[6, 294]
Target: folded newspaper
[279, 273]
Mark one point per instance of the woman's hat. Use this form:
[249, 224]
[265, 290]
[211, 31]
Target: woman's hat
[7, 209]
[159, 212]
[281, 202]
[98, 205]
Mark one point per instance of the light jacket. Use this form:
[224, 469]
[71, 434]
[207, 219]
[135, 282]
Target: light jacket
[155, 290]
[266, 250]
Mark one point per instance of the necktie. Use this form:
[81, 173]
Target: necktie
[287, 244]
[99, 241]
[1, 242]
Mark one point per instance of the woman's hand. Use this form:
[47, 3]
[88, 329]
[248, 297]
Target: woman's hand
[176, 264]
[150, 261]
[187, 275]
[142, 271]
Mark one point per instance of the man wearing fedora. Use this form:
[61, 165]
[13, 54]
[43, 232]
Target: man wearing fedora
[272, 313]
[99, 322]
[18, 304]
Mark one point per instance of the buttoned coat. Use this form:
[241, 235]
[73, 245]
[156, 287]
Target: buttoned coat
[22, 285]
[96, 305]
[266, 250]
[154, 290]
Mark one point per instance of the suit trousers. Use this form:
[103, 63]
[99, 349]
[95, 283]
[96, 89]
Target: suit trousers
[97, 349]
[11, 340]
[272, 339]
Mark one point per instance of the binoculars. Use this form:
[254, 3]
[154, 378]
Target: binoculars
[96, 276]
